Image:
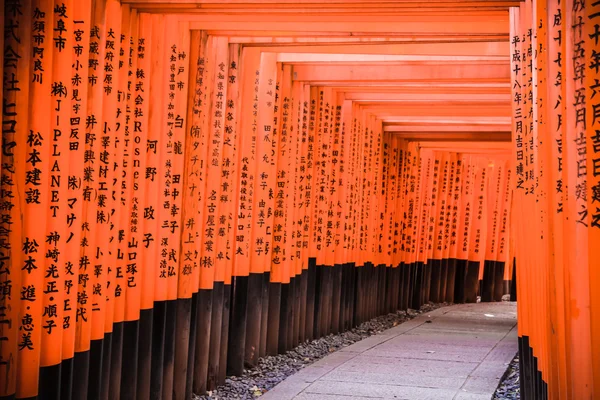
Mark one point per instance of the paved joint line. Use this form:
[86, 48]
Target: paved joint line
[460, 390]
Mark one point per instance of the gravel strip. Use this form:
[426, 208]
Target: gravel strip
[509, 388]
[273, 369]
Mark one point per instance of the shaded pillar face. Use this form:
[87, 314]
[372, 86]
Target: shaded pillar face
[183, 193]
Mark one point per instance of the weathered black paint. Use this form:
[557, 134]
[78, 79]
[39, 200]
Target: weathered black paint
[237, 333]
[216, 324]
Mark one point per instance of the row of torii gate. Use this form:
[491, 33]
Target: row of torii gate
[187, 186]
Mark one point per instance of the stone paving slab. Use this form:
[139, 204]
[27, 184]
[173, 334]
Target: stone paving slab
[458, 352]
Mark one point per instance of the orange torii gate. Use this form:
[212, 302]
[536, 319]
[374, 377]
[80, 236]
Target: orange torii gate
[187, 186]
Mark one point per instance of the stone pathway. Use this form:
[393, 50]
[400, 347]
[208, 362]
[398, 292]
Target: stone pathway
[457, 352]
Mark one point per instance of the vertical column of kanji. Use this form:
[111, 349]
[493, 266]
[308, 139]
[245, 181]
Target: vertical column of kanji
[577, 229]
[462, 237]
[75, 219]
[280, 268]
[403, 300]
[334, 211]
[393, 167]
[344, 182]
[318, 186]
[246, 158]
[350, 124]
[355, 211]
[195, 215]
[539, 188]
[291, 237]
[262, 203]
[271, 181]
[504, 253]
[420, 174]
[21, 254]
[173, 79]
[150, 372]
[301, 94]
[202, 122]
[556, 121]
[284, 210]
[395, 181]
[472, 273]
[316, 99]
[375, 154]
[415, 279]
[347, 198]
[499, 285]
[357, 214]
[177, 127]
[330, 180]
[376, 217]
[145, 139]
[213, 205]
[457, 278]
[339, 161]
[371, 214]
[368, 223]
[381, 174]
[324, 257]
[215, 93]
[517, 140]
[109, 207]
[394, 171]
[125, 385]
[477, 235]
[593, 179]
[400, 226]
[384, 217]
[431, 226]
[425, 244]
[488, 288]
[413, 297]
[397, 224]
[295, 267]
[531, 277]
[438, 225]
[488, 205]
[361, 208]
[291, 119]
[408, 273]
[156, 210]
[487, 272]
[90, 194]
[121, 217]
[448, 294]
[10, 263]
[229, 189]
[343, 129]
[57, 254]
[187, 284]
[309, 190]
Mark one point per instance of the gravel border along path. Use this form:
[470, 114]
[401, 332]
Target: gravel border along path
[273, 369]
[509, 387]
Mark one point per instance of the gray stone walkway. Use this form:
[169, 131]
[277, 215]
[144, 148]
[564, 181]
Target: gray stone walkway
[455, 352]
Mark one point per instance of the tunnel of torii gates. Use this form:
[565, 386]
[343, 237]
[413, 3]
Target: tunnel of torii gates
[187, 186]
